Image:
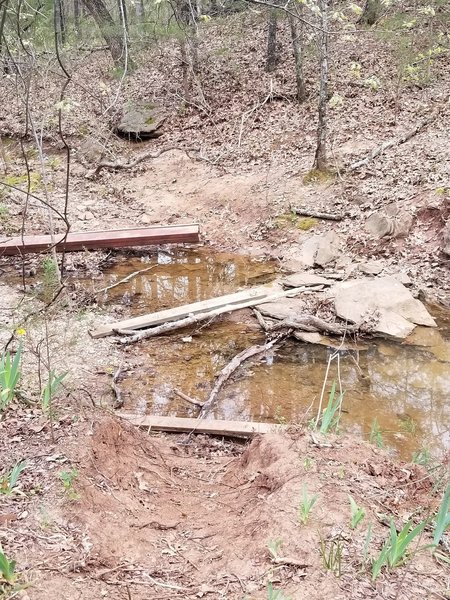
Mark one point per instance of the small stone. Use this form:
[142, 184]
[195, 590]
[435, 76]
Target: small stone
[146, 219]
[379, 225]
[328, 249]
[371, 268]
[307, 279]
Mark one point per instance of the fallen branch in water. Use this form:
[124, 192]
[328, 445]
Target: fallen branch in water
[193, 401]
[315, 325]
[193, 319]
[231, 367]
[124, 280]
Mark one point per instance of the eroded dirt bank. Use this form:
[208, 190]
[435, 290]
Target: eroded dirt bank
[154, 517]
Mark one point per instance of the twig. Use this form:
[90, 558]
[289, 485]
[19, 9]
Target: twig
[305, 212]
[118, 403]
[116, 166]
[193, 401]
[124, 280]
[247, 114]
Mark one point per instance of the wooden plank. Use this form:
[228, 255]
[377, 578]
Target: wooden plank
[211, 427]
[94, 240]
[173, 314]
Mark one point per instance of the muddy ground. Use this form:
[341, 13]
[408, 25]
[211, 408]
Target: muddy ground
[138, 516]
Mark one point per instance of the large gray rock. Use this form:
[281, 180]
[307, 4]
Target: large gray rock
[392, 223]
[141, 121]
[285, 308]
[393, 306]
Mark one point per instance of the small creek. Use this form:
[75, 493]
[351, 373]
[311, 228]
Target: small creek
[405, 387]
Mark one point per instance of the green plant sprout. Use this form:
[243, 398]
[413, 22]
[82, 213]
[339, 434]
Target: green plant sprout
[50, 389]
[273, 594]
[376, 435]
[331, 554]
[7, 569]
[68, 478]
[331, 415]
[442, 518]
[395, 550]
[9, 481]
[357, 513]
[9, 377]
[306, 505]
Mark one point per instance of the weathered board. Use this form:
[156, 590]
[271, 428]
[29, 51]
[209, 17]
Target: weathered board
[173, 314]
[94, 240]
[212, 427]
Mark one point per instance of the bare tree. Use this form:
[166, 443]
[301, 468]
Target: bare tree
[60, 24]
[110, 31]
[371, 12]
[320, 159]
[140, 10]
[76, 16]
[297, 46]
[272, 50]
[3, 10]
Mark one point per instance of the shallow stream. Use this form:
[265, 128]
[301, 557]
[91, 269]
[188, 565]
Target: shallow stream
[402, 387]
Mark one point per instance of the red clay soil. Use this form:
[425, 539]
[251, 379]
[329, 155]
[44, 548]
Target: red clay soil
[167, 517]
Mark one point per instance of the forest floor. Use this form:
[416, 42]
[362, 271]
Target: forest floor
[106, 511]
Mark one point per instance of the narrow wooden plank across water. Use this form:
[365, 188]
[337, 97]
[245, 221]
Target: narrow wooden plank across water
[173, 314]
[94, 240]
[211, 427]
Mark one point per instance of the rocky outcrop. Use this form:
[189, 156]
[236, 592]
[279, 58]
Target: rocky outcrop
[141, 122]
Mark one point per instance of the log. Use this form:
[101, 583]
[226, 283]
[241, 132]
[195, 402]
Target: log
[95, 240]
[305, 212]
[193, 319]
[230, 368]
[212, 427]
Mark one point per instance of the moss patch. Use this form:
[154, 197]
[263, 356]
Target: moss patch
[306, 223]
[318, 176]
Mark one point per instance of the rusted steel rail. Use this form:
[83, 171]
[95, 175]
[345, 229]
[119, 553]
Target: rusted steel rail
[94, 240]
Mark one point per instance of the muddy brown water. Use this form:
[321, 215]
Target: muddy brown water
[404, 387]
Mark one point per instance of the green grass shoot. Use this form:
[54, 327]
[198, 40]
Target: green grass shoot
[306, 505]
[331, 415]
[9, 481]
[395, 550]
[9, 376]
[357, 513]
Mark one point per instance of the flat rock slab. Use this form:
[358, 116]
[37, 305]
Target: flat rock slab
[386, 298]
[306, 279]
[286, 308]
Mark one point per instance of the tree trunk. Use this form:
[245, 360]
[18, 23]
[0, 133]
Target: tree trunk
[140, 10]
[272, 54]
[76, 17]
[60, 22]
[2, 24]
[297, 45]
[109, 30]
[320, 159]
[371, 12]
[123, 16]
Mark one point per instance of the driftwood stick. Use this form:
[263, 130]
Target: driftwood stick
[263, 323]
[230, 368]
[401, 139]
[125, 279]
[305, 212]
[314, 324]
[118, 399]
[116, 166]
[184, 396]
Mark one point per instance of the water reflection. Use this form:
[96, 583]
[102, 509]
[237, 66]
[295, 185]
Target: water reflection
[404, 387]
